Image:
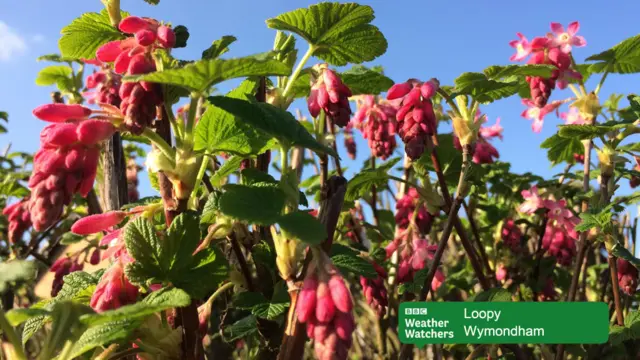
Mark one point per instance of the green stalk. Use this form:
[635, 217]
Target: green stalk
[11, 335]
[177, 130]
[219, 292]
[191, 117]
[201, 171]
[604, 77]
[298, 69]
[162, 145]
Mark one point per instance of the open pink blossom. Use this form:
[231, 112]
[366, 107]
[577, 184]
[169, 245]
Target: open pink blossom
[492, 131]
[532, 201]
[522, 46]
[561, 216]
[573, 117]
[537, 114]
[566, 39]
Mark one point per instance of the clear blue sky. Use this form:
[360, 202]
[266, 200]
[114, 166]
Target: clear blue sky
[426, 39]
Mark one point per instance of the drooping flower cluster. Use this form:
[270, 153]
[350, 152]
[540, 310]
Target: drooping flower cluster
[416, 118]
[63, 267]
[330, 94]
[554, 49]
[114, 289]
[133, 56]
[132, 179]
[104, 87]
[627, 277]
[67, 160]
[325, 305]
[511, 235]
[414, 256]
[374, 290]
[376, 120]
[559, 238]
[405, 208]
[19, 219]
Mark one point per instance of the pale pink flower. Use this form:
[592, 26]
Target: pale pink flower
[561, 216]
[563, 76]
[532, 201]
[522, 46]
[492, 131]
[537, 114]
[566, 39]
[573, 117]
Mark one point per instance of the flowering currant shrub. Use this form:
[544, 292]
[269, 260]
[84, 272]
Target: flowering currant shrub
[262, 240]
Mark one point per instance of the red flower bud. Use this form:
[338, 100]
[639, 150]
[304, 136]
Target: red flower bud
[325, 308]
[166, 37]
[307, 300]
[145, 37]
[340, 294]
[100, 222]
[133, 24]
[95, 257]
[61, 112]
[93, 131]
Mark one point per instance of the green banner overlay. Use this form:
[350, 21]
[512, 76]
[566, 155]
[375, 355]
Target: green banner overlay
[504, 323]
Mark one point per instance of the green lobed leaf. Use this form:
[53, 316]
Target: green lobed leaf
[623, 58]
[86, 34]
[361, 184]
[483, 89]
[583, 132]
[354, 264]
[620, 251]
[54, 58]
[362, 80]
[632, 321]
[157, 301]
[230, 166]
[53, 74]
[340, 33]
[181, 241]
[218, 47]
[221, 131]
[66, 326]
[302, 226]
[241, 329]
[496, 72]
[103, 334]
[211, 207]
[4, 116]
[18, 316]
[144, 245]
[272, 120]
[239, 201]
[208, 269]
[203, 74]
[561, 149]
[619, 334]
[493, 295]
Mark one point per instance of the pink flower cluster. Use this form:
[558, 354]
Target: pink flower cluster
[553, 49]
[114, 289]
[19, 219]
[406, 206]
[67, 160]
[376, 120]
[511, 235]
[133, 56]
[414, 255]
[416, 118]
[627, 277]
[105, 87]
[62, 267]
[374, 290]
[325, 305]
[560, 235]
[330, 94]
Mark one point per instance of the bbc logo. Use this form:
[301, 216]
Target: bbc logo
[415, 311]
